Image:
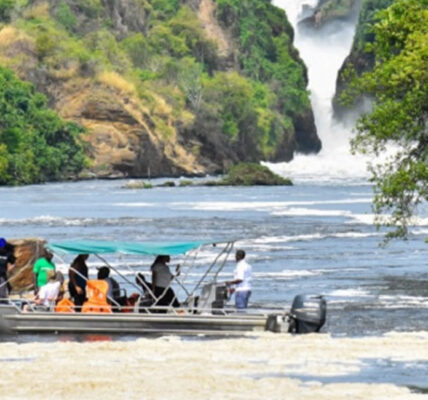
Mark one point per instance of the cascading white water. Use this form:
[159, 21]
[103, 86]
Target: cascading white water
[323, 53]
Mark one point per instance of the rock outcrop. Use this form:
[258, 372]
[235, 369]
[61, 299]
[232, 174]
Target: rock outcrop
[27, 251]
[328, 11]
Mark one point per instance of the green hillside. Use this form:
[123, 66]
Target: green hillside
[162, 87]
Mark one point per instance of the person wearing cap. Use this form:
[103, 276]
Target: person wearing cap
[7, 262]
[40, 270]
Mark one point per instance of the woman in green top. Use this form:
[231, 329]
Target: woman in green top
[40, 269]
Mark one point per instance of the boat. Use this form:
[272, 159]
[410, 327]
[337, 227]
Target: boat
[203, 311]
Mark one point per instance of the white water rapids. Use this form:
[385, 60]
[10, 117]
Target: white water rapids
[323, 53]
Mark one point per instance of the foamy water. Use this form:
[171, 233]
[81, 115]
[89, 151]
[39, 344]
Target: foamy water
[265, 366]
[323, 52]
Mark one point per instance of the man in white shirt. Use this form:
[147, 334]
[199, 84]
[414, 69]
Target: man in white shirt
[241, 280]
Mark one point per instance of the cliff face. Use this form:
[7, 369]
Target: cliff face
[358, 60]
[328, 11]
[162, 87]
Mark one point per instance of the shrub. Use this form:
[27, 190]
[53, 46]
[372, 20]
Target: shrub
[65, 16]
[250, 174]
[6, 8]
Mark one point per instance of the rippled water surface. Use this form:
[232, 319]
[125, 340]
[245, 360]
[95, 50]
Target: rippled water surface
[301, 239]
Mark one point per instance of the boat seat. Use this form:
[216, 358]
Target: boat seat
[96, 290]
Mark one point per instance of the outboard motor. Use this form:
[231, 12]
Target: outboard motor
[307, 314]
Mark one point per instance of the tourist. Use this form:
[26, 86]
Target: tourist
[78, 274]
[241, 280]
[161, 282]
[7, 262]
[47, 295]
[40, 269]
[113, 292]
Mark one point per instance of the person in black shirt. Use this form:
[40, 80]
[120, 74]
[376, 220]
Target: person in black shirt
[78, 274]
[113, 287]
[7, 262]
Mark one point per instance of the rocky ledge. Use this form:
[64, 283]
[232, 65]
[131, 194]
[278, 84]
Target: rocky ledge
[242, 174]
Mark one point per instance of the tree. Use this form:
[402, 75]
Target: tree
[36, 145]
[398, 86]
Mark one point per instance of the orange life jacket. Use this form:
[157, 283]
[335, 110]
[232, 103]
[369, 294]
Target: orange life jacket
[65, 306]
[96, 291]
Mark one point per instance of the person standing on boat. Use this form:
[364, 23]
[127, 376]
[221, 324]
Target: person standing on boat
[7, 262]
[161, 282]
[241, 280]
[78, 274]
[40, 270]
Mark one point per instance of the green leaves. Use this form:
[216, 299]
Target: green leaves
[35, 144]
[266, 54]
[6, 8]
[398, 85]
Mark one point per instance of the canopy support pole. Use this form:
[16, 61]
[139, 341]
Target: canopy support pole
[123, 276]
[227, 249]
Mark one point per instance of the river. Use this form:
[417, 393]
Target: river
[308, 238]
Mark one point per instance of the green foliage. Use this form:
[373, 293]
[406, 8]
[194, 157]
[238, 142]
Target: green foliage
[251, 174]
[186, 26]
[6, 8]
[138, 185]
[398, 85]
[65, 16]
[364, 33]
[234, 93]
[165, 9]
[172, 65]
[91, 8]
[45, 45]
[185, 182]
[266, 55]
[245, 109]
[106, 49]
[137, 48]
[190, 75]
[35, 144]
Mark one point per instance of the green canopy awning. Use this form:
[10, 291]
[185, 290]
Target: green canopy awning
[144, 248]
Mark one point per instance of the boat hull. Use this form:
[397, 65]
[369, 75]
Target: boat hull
[13, 321]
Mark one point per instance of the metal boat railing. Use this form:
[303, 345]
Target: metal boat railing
[219, 261]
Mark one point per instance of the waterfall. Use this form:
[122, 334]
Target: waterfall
[323, 52]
